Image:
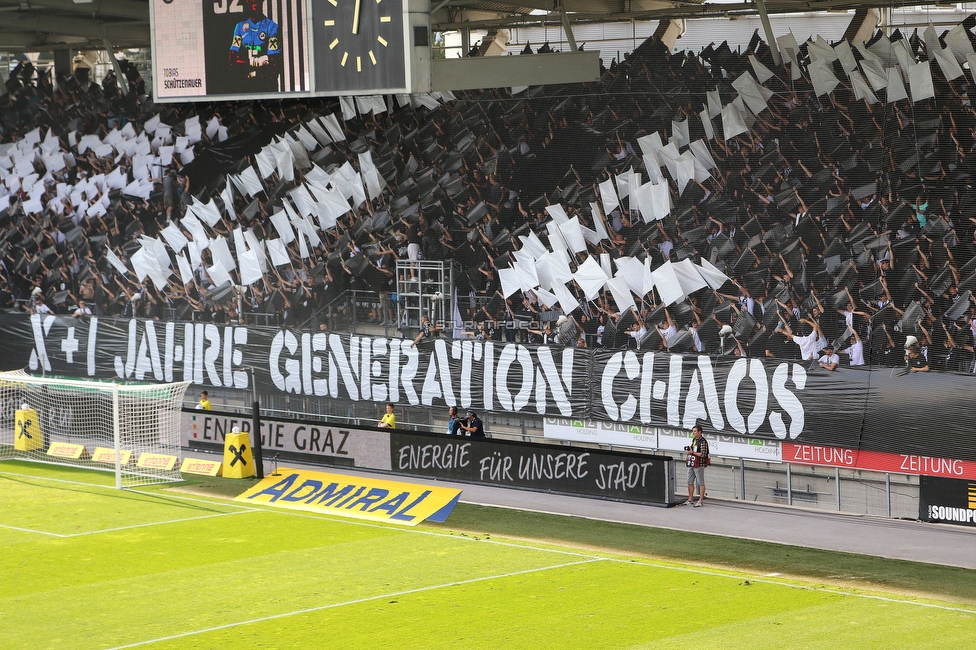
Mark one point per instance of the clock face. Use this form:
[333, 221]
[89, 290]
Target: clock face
[358, 45]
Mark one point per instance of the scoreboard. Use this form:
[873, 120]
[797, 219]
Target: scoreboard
[245, 49]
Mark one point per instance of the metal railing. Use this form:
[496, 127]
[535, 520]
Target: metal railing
[821, 488]
[352, 308]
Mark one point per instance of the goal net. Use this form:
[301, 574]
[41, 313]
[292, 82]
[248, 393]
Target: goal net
[131, 430]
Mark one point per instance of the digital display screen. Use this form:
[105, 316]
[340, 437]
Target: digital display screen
[232, 48]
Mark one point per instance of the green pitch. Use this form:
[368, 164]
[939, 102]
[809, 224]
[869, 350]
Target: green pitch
[85, 566]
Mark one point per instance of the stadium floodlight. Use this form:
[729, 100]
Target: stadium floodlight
[132, 430]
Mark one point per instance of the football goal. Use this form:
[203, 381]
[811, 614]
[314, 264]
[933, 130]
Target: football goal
[131, 430]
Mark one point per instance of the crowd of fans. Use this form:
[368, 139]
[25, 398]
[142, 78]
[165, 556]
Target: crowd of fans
[845, 226]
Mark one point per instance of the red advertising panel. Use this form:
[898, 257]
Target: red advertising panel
[878, 461]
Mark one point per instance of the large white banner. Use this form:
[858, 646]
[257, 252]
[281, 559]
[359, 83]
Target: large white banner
[738, 401]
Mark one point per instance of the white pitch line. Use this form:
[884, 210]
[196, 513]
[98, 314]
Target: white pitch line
[112, 488]
[776, 583]
[267, 508]
[213, 501]
[641, 561]
[30, 530]
[57, 480]
[592, 558]
[402, 529]
[157, 523]
[885, 599]
[323, 516]
[358, 601]
[239, 509]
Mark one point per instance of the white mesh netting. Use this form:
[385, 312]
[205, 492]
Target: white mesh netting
[47, 419]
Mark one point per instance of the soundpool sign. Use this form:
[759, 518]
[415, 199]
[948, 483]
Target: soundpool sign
[947, 501]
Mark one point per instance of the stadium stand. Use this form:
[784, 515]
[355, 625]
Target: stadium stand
[711, 201]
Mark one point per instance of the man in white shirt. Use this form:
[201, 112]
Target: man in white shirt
[666, 246]
[81, 310]
[638, 331]
[39, 306]
[855, 350]
[828, 360]
[667, 329]
[809, 344]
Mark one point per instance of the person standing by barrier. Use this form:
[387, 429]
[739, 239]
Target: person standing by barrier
[204, 403]
[474, 427]
[828, 359]
[454, 423]
[388, 421]
[915, 361]
[697, 462]
[427, 331]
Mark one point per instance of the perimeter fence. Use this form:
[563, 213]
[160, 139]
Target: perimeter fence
[852, 491]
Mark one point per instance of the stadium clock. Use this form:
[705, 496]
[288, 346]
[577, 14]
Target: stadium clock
[359, 45]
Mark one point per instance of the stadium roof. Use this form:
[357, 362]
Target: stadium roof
[56, 24]
[44, 25]
[456, 14]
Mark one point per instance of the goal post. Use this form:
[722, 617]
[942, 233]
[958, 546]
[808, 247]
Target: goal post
[132, 430]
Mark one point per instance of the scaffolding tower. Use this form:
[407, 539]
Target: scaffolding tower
[425, 287]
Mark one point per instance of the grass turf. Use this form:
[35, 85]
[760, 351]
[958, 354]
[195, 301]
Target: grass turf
[204, 573]
[762, 557]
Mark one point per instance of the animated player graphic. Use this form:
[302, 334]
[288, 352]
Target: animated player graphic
[256, 50]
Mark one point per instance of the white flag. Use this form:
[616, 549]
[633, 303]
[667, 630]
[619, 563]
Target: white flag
[114, 260]
[278, 252]
[609, 196]
[250, 267]
[186, 273]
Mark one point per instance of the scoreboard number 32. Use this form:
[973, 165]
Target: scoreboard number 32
[228, 7]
